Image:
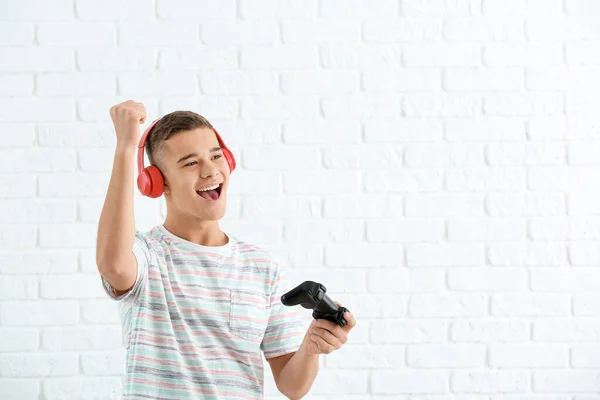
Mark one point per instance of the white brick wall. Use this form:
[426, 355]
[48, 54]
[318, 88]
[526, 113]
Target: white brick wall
[434, 163]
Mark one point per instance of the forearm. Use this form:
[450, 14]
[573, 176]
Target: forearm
[116, 227]
[299, 373]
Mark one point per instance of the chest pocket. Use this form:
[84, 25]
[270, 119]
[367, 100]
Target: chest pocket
[248, 314]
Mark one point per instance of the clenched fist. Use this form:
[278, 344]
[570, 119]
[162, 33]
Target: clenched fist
[127, 117]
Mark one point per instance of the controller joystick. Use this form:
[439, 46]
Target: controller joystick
[311, 295]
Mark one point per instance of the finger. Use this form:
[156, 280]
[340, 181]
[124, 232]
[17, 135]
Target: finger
[350, 320]
[329, 337]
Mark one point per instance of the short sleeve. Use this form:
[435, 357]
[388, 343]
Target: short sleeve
[284, 332]
[141, 251]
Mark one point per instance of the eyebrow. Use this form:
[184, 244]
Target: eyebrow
[214, 149]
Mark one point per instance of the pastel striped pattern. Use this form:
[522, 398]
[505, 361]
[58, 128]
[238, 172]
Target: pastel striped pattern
[199, 320]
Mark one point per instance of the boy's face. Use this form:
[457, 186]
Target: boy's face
[192, 163]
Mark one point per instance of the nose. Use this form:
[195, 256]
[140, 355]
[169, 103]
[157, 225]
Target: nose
[208, 171]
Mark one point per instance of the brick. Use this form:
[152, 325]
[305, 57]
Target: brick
[538, 154]
[401, 30]
[366, 57]
[67, 235]
[76, 84]
[580, 104]
[560, 330]
[364, 206]
[18, 287]
[163, 33]
[566, 381]
[562, 179]
[363, 157]
[442, 105]
[195, 10]
[76, 34]
[18, 339]
[436, 205]
[25, 387]
[262, 235]
[402, 130]
[420, 180]
[401, 80]
[473, 229]
[490, 331]
[117, 59]
[113, 10]
[349, 9]
[584, 253]
[586, 305]
[74, 184]
[529, 356]
[69, 135]
[525, 8]
[333, 382]
[546, 128]
[447, 305]
[444, 254]
[407, 331]
[366, 356]
[38, 262]
[437, 8]
[483, 29]
[37, 160]
[532, 305]
[490, 381]
[582, 78]
[321, 132]
[84, 286]
[323, 231]
[441, 55]
[267, 183]
[13, 85]
[105, 363]
[408, 382]
[260, 207]
[564, 279]
[234, 82]
[585, 356]
[17, 109]
[484, 129]
[228, 33]
[480, 79]
[485, 179]
[271, 9]
[323, 182]
[38, 365]
[188, 59]
[279, 107]
[164, 83]
[404, 280]
[574, 228]
[552, 28]
[23, 135]
[18, 236]
[281, 157]
[582, 53]
[525, 204]
[445, 356]
[79, 388]
[527, 254]
[443, 155]
[404, 230]
[523, 105]
[340, 283]
[517, 54]
[35, 59]
[31, 10]
[41, 211]
[39, 313]
[320, 82]
[284, 57]
[363, 255]
[582, 154]
[319, 31]
[487, 279]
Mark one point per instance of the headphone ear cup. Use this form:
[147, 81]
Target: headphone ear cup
[230, 159]
[150, 182]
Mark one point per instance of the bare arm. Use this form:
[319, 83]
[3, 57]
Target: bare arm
[115, 259]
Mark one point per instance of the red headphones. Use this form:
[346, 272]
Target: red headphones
[150, 180]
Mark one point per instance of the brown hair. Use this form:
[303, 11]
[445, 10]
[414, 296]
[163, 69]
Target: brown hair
[169, 125]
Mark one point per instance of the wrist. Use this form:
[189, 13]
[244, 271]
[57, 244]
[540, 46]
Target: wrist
[126, 148]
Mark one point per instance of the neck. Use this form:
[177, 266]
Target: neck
[205, 233]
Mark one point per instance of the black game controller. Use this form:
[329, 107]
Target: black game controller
[311, 295]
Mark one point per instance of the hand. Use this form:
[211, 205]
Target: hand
[324, 337]
[127, 117]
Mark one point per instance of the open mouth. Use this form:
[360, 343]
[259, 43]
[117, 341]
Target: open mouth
[210, 193]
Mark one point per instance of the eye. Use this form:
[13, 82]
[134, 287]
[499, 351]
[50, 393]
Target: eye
[217, 156]
[190, 163]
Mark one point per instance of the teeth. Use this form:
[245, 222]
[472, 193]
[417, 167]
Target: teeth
[208, 188]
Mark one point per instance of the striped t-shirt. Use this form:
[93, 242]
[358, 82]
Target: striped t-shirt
[199, 319]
